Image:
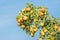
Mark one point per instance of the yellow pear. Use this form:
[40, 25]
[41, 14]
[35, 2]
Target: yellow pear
[59, 30]
[20, 20]
[42, 32]
[35, 29]
[55, 27]
[52, 33]
[41, 24]
[31, 11]
[23, 26]
[45, 30]
[28, 9]
[25, 18]
[40, 39]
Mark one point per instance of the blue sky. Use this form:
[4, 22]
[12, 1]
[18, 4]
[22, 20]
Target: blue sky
[10, 8]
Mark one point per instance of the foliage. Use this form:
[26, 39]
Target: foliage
[32, 18]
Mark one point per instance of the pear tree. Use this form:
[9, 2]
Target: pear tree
[32, 18]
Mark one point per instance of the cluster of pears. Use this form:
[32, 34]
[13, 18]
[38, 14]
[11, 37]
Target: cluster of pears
[49, 34]
[33, 19]
[25, 18]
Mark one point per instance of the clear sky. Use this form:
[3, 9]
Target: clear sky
[8, 11]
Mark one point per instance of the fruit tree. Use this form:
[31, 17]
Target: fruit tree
[32, 18]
